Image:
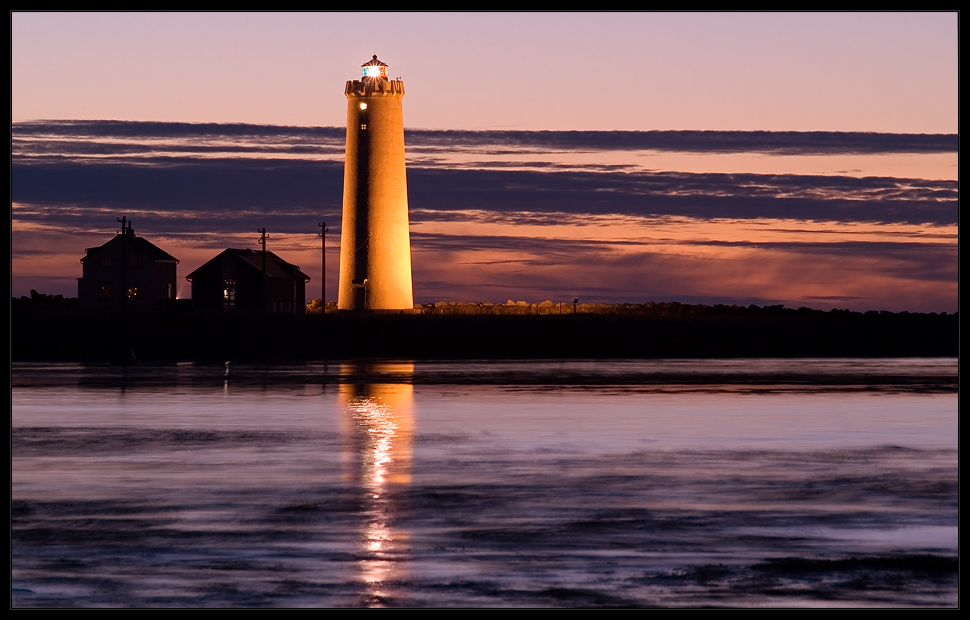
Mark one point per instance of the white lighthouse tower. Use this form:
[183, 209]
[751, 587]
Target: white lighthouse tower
[375, 244]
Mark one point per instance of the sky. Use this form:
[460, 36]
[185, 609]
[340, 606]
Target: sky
[806, 159]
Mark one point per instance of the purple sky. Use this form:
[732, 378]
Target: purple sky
[886, 72]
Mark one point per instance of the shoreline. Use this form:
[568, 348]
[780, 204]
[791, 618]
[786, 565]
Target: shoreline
[755, 333]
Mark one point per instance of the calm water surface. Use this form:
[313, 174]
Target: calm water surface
[577, 483]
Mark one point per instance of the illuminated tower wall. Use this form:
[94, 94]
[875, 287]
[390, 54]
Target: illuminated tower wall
[375, 244]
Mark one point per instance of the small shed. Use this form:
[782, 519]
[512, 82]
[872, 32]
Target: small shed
[127, 273]
[242, 279]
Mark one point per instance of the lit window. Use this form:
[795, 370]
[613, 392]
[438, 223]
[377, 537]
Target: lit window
[363, 106]
[132, 290]
[104, 291]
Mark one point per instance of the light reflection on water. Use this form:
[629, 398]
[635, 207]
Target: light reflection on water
[382, 421]
[463, 484]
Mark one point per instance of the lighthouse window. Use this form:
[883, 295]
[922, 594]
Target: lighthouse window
[363, 125]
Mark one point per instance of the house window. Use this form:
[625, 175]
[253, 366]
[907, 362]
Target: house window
[228, 293]
[132, 291]
[171, 291]
[104, 290]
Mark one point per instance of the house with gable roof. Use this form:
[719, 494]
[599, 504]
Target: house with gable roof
[127, 273]
[245, 280]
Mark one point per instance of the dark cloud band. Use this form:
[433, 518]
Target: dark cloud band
[200, 192]
[775, 142]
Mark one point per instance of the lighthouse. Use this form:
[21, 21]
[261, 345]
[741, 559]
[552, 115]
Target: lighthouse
[375, 244]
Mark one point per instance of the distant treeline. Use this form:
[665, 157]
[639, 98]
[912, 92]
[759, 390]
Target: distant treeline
[629, 331]
[38, 303]
[650, 308]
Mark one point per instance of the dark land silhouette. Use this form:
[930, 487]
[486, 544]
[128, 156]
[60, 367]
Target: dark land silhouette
[49, 328]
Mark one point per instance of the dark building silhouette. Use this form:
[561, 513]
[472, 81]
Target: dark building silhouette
[127, 273]
[234, 280]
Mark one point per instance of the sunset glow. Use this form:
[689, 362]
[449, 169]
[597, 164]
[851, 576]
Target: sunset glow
[780, 194]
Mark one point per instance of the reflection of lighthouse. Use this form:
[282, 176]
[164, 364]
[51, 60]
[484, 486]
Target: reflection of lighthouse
[375, 246]
[380, 423]
[382, 420]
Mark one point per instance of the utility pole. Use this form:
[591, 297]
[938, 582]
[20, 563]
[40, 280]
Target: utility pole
[323, 264]
[125, 355]
[262, 242]
[124, 256]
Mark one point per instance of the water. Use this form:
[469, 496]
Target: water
[608, 483]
